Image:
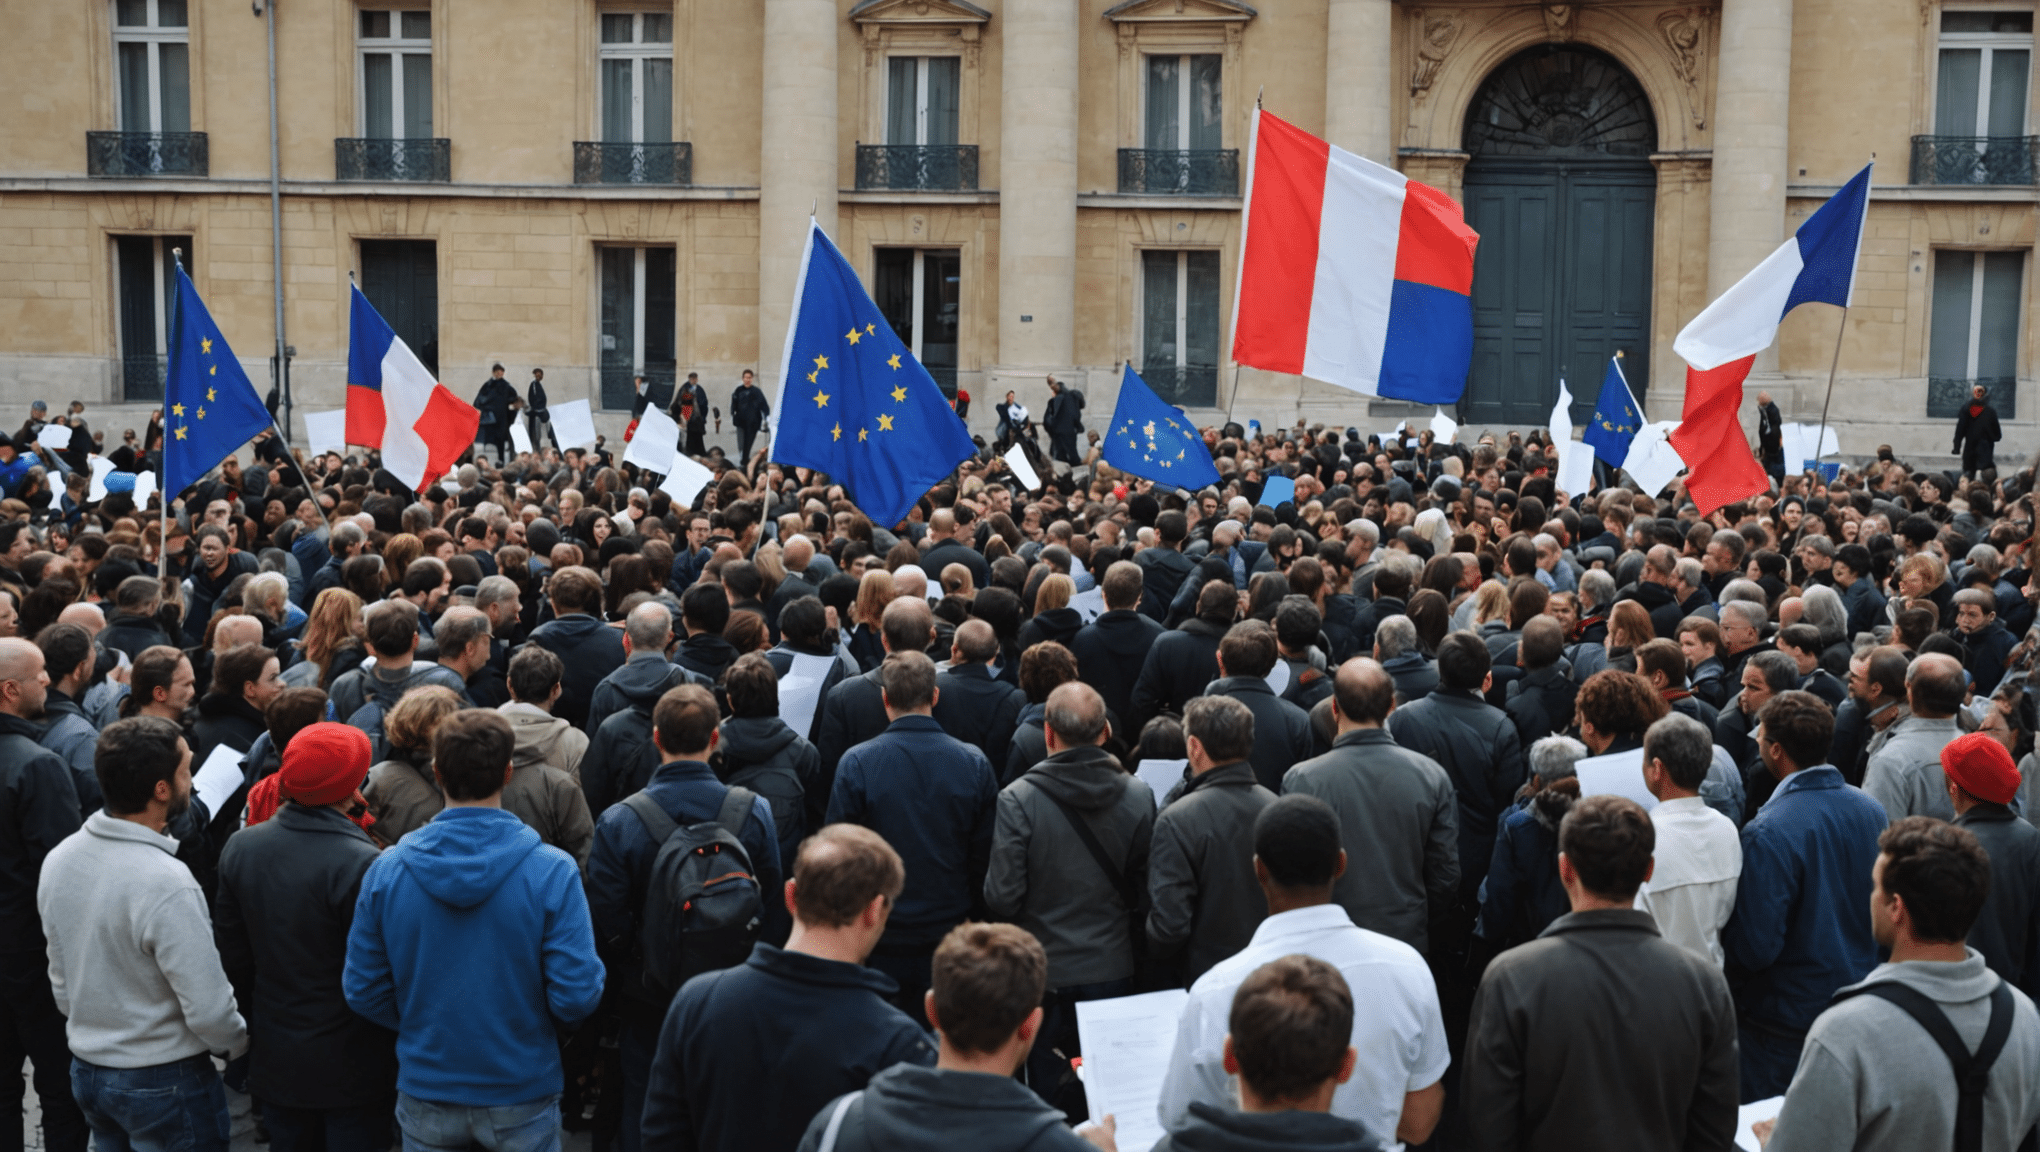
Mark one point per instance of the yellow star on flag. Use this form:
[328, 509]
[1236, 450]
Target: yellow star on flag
[1150, 429]
[213, 371]
[201, 413]
[884, 423]
[811, 376]
[836, 433]
[210, 395]
[821, 399]
[870, 328]
[853, 336]
[899, 393]
[181, 432]
[177, 409]
[863, 434]
[821, 362]
[893, 360]
[205, 345]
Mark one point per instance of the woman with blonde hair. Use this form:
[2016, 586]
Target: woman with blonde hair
[1054, 619]
[332, 642]
[874, 592]
[401, 791]
[1490, 610]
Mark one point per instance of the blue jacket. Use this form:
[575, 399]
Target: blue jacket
[933, 798]
[1522, 895]
[1801, 926]
[471, 939]
[590, 649]
[620, 861]
[1865, 604]
[749, 1054]
[686, 568]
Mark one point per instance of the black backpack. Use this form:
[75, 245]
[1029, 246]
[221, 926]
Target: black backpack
[703, 905]
[1972, 1070]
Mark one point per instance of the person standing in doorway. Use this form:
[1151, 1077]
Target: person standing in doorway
[1976, 434]
[1770, 437]
[748, 410]
[1065, 419]
[496, 401]
[535, 410]
[690, 411]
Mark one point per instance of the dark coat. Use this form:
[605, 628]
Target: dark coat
[705, 654]
[749, 407]
[1111, 652]
[1370, 616]
[620, 759]
[1057, 624]
[1213, 1129]
[979, 709]
[1179, 666]
[1478, 747]
[133, 635]
[1601, 1034]
[1166, 569]
[762, 754]
[38, 809]
[286, 903]
[1541, 703]
[205, 592]
[2008, 931]
[1415, 676]
[909, 1108]
[1522, 894]
[852, 712]
[1662, 606]
[590, 650]
[1976, 436]
[781, 659]
[494, 402]
[954, 551]
[228, 720]
[1710, 683]
[1984, 654]
[748, 1055]
[1281, 729]
[1203, 899]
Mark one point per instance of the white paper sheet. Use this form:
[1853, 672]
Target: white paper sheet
[574, 425]
[1576, 471]
[1126, 1053]
[1017, 461]
[216, 779]
[101, 469]
[800, 691]
[326, 432]
[1561, 415]
[145, 487]
[55, 437]
[1652, 462]
[655, 443]
[1161, 775]
[1444, 427]
[520, 436]
[1089, 604]
[1749, 1114]
[686, 480]
[1805, 442]
[1278, 677]
[1617, 773]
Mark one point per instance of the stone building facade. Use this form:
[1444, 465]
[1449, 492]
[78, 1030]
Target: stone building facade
[604, 189]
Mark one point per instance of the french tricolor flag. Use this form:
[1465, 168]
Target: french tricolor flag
[395, 405]
[1351, 273]
[1817, 265]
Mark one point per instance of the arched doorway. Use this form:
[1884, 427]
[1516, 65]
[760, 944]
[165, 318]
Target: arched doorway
[1562, 191]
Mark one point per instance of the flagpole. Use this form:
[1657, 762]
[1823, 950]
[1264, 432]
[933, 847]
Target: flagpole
[162, 463]
[1833, 365]
[300, 464]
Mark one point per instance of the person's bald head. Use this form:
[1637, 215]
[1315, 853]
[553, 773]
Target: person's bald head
[1075, 716]
[1935, 686]
[1363, 693]
[234, 631]
[86, 616]
[910, 581]
[797, 552]
[908, 625]
[1225, 532]
[24, 688]
[649, 627]
[942, 523]
[975, 643]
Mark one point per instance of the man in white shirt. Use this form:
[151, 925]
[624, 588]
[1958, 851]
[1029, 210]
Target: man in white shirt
[1398, 1031]
[1698, 857]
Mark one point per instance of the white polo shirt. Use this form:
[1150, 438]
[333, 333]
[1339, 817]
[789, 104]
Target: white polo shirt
[1699, 863]
[1397, 1028]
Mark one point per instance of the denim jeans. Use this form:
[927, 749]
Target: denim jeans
[333, 1129]
[175, 1107]
[533, 1126]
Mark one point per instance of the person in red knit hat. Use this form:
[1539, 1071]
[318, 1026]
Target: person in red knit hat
[1981, 782]
[322, 1074]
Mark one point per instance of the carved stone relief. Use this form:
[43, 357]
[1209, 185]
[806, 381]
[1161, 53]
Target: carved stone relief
[1436, 33]
[1685, 33]
[1558, 21]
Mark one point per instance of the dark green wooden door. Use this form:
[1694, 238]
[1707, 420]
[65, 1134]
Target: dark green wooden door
[1563, 196]
[401, 278]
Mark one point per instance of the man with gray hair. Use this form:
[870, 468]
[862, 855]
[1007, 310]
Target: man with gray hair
[1689, 584]
[1691, 889]
[1205, 900]
[646, 673]
[1552, 571]
[1402, 657]
[1362, 538]
[1742, 630]
[1764, 676]
[1905, 775]
[1069, 863]
[464, 647]
[346, 542]
[267, 597]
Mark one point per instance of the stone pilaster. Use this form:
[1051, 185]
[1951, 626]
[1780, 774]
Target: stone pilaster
[1746, 208]
[1037, 194]
[797, 165]
[1359, 92]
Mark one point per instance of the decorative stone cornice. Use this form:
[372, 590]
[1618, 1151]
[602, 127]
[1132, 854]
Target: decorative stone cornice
[918, 12]
[1180, 12]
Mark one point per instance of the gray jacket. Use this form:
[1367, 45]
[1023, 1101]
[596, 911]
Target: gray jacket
[1042, 878]
[1201, 887]
[1905, 774]
[1871, 1080]
[1399, 819]
[353, 690]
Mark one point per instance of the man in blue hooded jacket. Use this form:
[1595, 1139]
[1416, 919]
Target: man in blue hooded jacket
[472, 940]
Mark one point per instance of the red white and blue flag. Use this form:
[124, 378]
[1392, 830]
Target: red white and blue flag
[395, 405]
[1350, 273]
[1817, 265]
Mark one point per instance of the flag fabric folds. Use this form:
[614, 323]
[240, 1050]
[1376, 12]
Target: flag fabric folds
[853, 402]
[1152, 439]
[1817, 265]
[1617, 416]
[1351, 273]
[394, 404]
[210, 408]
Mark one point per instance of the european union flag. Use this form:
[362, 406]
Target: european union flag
[1617, 416]
[1154, 440]
[209, 407]
[853, 401]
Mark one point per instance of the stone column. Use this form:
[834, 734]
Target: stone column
[1753, 83]
[1037, 193]
[797, 168]
[1359, 90]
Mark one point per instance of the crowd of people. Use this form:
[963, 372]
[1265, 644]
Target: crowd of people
[1468, 812]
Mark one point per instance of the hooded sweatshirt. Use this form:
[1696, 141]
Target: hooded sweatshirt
[1217, 1130]
[908, 1108]
[471, 939]
[543, 738]
[763, 754]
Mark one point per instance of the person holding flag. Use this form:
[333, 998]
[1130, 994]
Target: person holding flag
[853, 402]
[1154, 440]
[395, 405]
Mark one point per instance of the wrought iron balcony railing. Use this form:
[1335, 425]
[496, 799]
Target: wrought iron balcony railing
[917, 167]
[421, 161]
[1187, 386]
[607, 162]
[146, 154]
[2008, 160]
[1178, 172]
[1947, 396]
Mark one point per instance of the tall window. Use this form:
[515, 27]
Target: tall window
[145, 284]
[919, 291]
[396, 75]
[1179, 325]
[152, 57]
[639, 310]
[637, 78]
[1986, 62]
[1975, 337]
[921, 100]
[1184, 111]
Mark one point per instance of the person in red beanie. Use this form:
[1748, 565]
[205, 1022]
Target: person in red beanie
[1981, 783]
[321, 1073]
